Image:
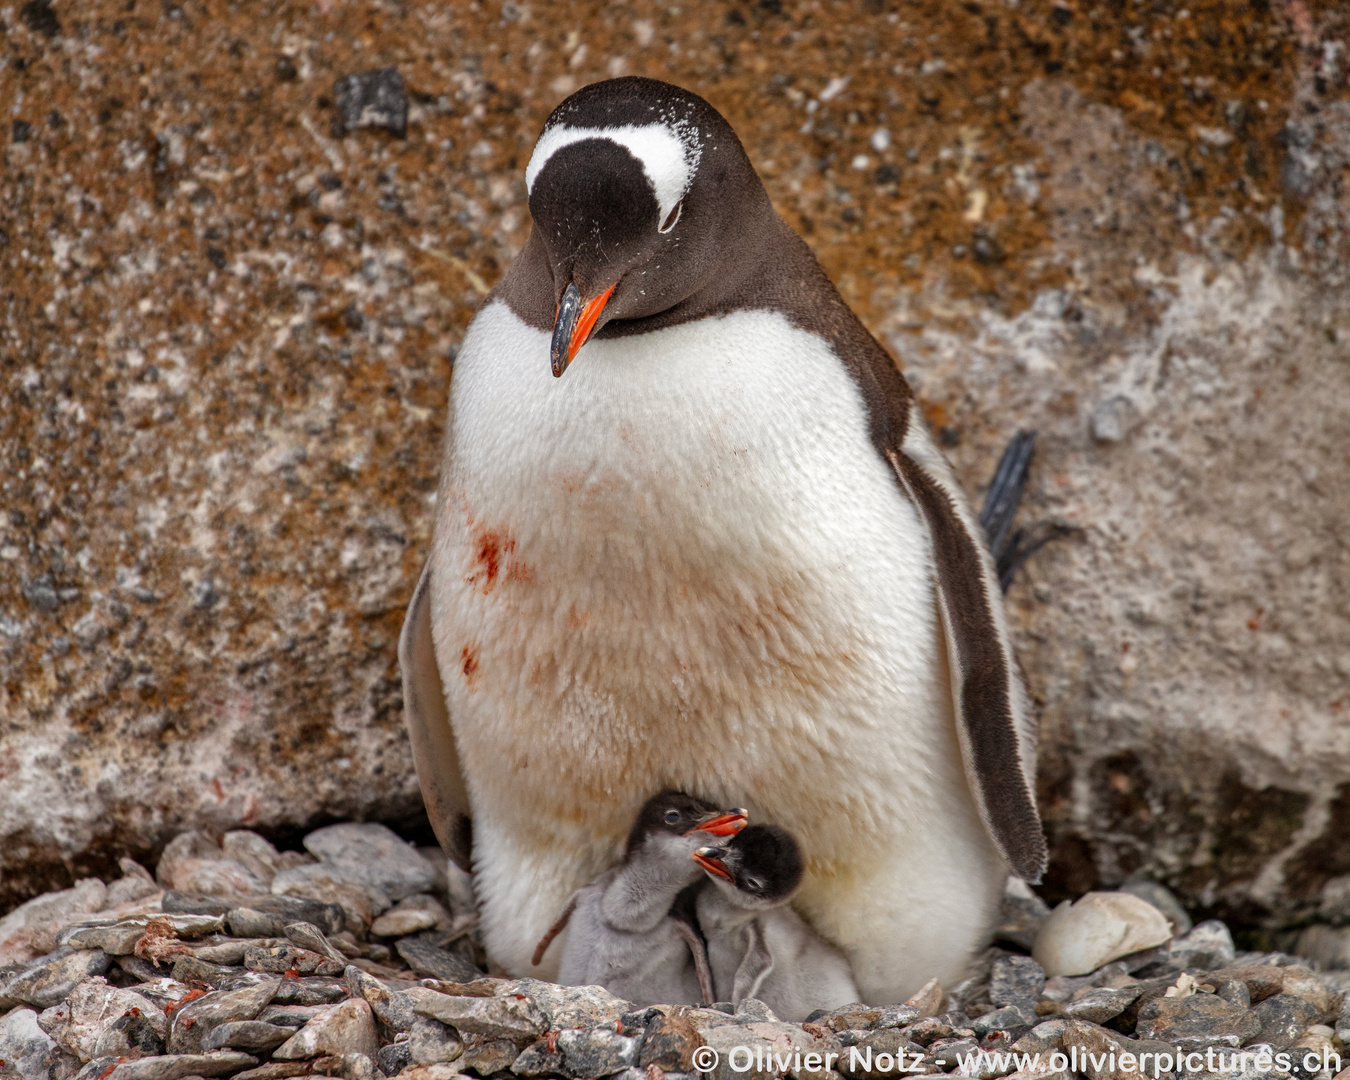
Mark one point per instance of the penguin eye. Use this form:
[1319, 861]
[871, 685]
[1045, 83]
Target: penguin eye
[671, 218]
[672, 817]
[754, 884]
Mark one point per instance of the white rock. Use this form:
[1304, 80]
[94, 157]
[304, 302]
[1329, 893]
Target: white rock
[82, 1021]
[370, 854]
[1102, 926]
[348, 1028]
[30, 930]
[403, 921]
[193, 862]
[254, 853]
[25, 1047]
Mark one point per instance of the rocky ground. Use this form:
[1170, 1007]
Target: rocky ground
[357, 958]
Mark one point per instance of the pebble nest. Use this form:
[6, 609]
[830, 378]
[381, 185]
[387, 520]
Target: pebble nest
[358, 958]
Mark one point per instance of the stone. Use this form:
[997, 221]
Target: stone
[291, 1016]
[1095, 1048]
[394, 1008]
[394, 1058]
[311, 990]
[1164, 900]
[399, 922]
[375, 856]
[308, 936]
[193, 862]
[1302, 983]
[1080, 937]
[29, 931]
[510, 1017]
[25, 1048]
[191, 1021]
[50, 979]
[255, 853]
[254, 1036]
[1098, 1004]
[927, 999]
[1283, 1018]
[946, 1054]
[541, 1058]
[433, 963]
[1197, 1022]
[868, 1058]
[1009, 1020]
[570, 1006]
[928, 1029]
[347, 1066]
[373, 99]
[669, 1042]
[487, 1057]
[1016, 980]
[348, 1028]
[98, 1020]
[1045, 1038]
[325, 883]
[268, 916]
[1208, 945]
[284, 958]
[597, 1051]
[441, 1071]
[169, 1067]
[1261, 981]
[275, 1070]
[431, 1041]
[1021, 914]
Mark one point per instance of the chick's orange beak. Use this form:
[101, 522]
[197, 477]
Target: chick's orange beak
[728, 823]
[709, 860]
[573, 324]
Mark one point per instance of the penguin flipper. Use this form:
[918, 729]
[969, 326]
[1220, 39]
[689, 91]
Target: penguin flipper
[755, 965]
[994, 724]
[435, 755]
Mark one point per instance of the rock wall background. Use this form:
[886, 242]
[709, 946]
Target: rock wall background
[225, 339]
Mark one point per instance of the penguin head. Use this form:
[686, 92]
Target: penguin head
[762, 865]
[634, 185]
[675, 819]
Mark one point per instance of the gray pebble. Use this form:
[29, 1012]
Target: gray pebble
[373, 99]
[256, 1036]
[49, 979]
[597, 1052]
[433, 963]
[394, 1058]
[1016, 980]
[431, 1042]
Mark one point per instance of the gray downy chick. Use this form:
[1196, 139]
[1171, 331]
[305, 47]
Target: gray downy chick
[623, 934]
[758, 947]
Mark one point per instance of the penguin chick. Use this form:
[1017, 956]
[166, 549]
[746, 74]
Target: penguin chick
[624, 935]
[758, 947]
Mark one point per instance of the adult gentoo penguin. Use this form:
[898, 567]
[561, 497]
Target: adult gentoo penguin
[720, 554]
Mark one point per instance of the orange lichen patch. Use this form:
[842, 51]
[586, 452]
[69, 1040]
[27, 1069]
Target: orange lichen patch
[190, 996]
[160, 942]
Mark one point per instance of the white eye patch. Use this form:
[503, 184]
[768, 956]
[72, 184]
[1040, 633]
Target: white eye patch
[667, 159]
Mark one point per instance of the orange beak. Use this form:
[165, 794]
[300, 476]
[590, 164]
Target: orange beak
[726, 824]
[709, 859]
[573, 323]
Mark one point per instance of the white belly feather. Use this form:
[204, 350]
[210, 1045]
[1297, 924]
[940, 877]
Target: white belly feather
[684, 565]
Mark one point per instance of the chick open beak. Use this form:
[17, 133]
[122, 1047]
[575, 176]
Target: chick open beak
[573, 324]
[710, 858]
[728, 823]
